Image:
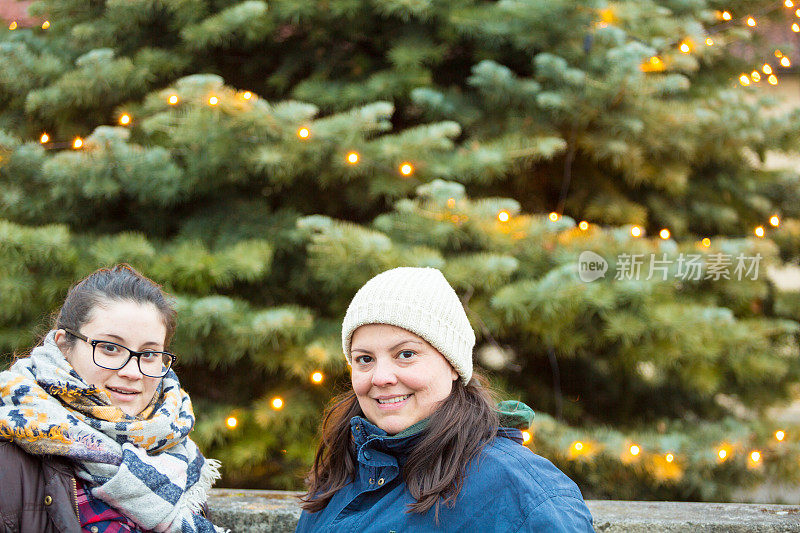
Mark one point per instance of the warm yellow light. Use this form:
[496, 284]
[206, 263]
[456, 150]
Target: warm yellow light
[722, 454]
[45, 24]
[664, 234]
[785, 62]
[526, 437]
[451, 203]
[774, 221]
[744, 80]
[766, 69]
[636, 231]
[277, 403]
[796, 27]
[755, 456]
[13, 26]
[125, 119]
[788, 3]
[213, 100]
[303, 133]
[772, 79]
[759, 231]
[503, 216]
[173, 99]
[778, 53]
[634, 449]
[797, 12]
[726, 15]
[706, 242]
[247, 95]
[751, 21]
[583, 225]
[44, 138]
[554, 216]
[669, 457]
[231, 422]
[317, 377]
[780, 435]
[685, 48]
[709, 41]
[352, 158]
[77, 143]
[654, 64]
[756, 76]
[406, 169]
[578, 446]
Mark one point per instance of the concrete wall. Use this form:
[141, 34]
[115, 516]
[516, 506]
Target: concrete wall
[265, 511]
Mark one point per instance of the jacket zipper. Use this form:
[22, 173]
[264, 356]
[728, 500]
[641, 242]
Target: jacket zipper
[75, 496]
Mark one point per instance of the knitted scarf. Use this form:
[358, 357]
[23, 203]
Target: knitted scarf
[146, 467]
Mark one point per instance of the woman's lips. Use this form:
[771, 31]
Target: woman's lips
[122, 394]
[394, 405]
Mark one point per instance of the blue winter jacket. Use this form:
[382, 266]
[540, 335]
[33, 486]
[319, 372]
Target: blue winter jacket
[508, 489]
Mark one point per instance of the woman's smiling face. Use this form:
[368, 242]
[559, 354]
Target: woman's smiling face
[137, 326]
[399, 379]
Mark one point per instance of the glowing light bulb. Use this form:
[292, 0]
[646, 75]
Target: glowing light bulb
[797, 12]
[44, 138]
[722, 454]
[772, 79]
[13, 26]
[788, 3]
[780, 435]
[634, 449]
[125, 119]
[755, 456]
[277, 403]
[213, 100]
[173, 99]
[303, 133]
[759, 231]
[526, 437]
[774, 221]
[352, 158]
[503, 216]
[231, 422]
[406, 169]
[751, 21]
[796, 27]
[709, 41]
[669, 457]
[554, 216]
[664, 234]
[756, 76]
[578, 446]
[744, 80]
[247, 95]
[636, 231]
[706, 242]
[785, 62]
[766, 69]
[451, 203]
[685, 48]
[583, 225]
[77, 143]
[726, 15]
[317, 377]
[45, 24]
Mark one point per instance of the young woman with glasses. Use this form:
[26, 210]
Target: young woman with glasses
[94, 425]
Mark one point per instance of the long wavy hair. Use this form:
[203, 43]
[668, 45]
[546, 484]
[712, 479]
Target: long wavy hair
[459, 428]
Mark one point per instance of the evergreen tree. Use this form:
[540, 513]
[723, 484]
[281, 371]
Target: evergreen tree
[264, 161]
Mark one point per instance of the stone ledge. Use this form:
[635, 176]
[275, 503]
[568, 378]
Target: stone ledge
[274, 511]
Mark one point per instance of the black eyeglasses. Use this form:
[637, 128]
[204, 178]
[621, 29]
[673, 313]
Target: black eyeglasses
[113, 356]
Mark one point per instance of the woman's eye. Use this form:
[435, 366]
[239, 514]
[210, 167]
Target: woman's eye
[406, 354]
[109, 348]
[363, 359]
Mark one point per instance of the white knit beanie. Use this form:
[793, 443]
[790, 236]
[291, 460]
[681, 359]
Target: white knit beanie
[418, 300]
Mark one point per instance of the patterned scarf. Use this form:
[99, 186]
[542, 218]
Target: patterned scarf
[146, 467]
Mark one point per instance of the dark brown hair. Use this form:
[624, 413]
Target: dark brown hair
[119, 283]
[459, 428]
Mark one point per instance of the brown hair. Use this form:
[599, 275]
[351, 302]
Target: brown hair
[459, 428]
[121, 282]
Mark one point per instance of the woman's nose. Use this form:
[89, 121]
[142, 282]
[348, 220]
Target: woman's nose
[383, 374]
[131, 369]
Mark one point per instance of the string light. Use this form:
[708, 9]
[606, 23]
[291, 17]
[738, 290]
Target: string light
[277, 403]
[77, 143]
[173, 99]
[554, 216]
[526, 437]
[751, 21]
[706, 242]
[213, 100]
[503, 216]
[669, 457]
[726, 15]
[654, 64]
[797, 12]
[583, 225]
[406, 169]
[759, 231]
[772, 80]
[247, 95]
[744, 80]
[756, 76]
[634, 450]
[44, 138]
[577, 446]
[317, 377]
[303, 133]
[766, 69]
[755, 456]
[45, 24]
[125, 119]
[780, 435]
[785, 62]
[723, 453]
[664, 234]
[788, 3]
[709, 41]
[685, 48]
[636, 231]
[774, 221]
[13, 26]
[352, 158]
[231, 422]
[796, 27]
[451, 203]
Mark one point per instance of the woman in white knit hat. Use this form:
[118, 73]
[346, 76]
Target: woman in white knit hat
[418, 443]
